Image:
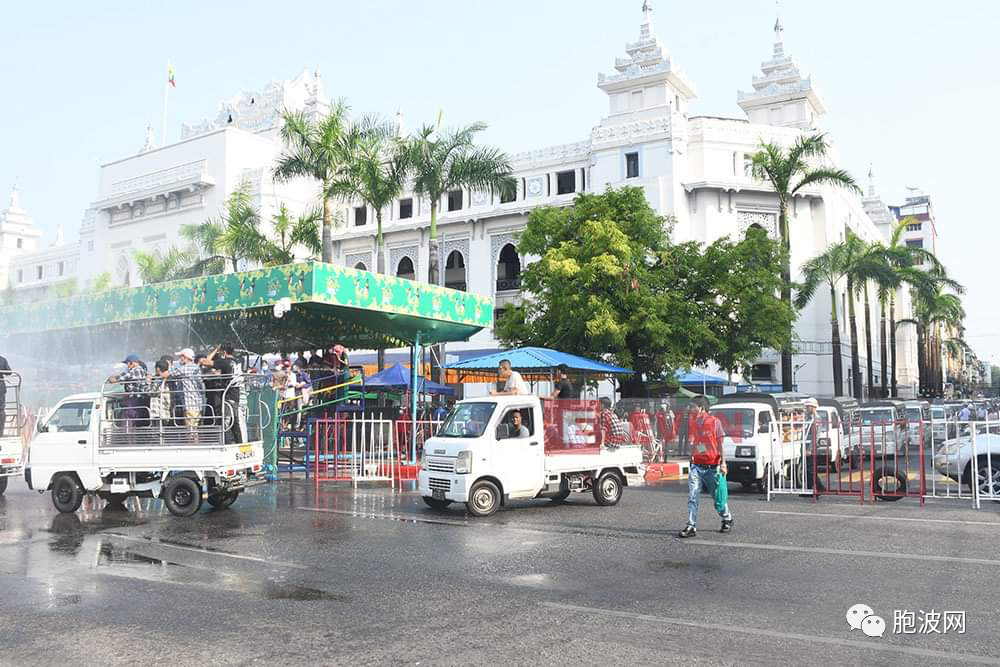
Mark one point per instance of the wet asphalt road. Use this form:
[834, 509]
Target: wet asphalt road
[290, 575]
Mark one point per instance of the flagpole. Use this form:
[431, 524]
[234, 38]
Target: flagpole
[166, 94]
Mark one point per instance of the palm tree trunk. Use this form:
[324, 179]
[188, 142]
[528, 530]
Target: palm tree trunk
[892, 340]
[855, 357]
[327, 255]
[838, 361]
[434, 278]
[786, 294]
[868, 342]
[380, 268]
[883, 356]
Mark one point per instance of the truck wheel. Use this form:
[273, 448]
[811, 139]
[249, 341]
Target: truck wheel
[3, 485]
[608, 489]
[221, 501]
[561, 496]
[484, 499]
[436, 504]
[66, 493]
[182, 496]
[889, 484]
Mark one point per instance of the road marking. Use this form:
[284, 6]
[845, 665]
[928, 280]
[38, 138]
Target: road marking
[846, 552]
[403, 516]
[211, 552]
[882, 518]
[965, 658]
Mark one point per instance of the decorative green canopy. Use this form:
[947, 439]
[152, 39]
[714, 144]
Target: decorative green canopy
[329, 304]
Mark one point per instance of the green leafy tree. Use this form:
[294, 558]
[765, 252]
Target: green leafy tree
[610, 285]
[65, 289]
[789, 172]
[933, 309]
[736, 284]
[314, 148]
[223, 241]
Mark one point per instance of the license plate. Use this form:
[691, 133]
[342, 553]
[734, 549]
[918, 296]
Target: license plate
[437, 494]
[246, 449]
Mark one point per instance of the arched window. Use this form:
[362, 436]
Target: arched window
[405, 269]
[454, 271]
[508, 269]
[360, 266]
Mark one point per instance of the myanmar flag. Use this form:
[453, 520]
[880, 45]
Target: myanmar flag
[170, 76]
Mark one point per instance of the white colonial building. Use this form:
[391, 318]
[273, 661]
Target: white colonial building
[691, 167]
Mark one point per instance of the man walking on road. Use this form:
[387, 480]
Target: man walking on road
[706, 463]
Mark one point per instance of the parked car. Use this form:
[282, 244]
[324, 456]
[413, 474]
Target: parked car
[918, 415]
[955, 460]
[880, 427]
[835, 415]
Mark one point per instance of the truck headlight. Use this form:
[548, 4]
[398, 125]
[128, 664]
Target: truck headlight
[463, 464]
[823, 442]
[746, 452]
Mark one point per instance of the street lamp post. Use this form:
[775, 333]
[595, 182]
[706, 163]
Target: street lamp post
[795, 369]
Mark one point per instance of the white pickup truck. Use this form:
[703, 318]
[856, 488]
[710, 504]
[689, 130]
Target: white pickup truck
[11, 421]
[492, 449]
[83, 448]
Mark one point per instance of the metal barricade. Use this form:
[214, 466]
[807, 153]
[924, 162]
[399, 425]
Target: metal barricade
[12, 417]
[788, 468]
[964, 457]
[359, 449]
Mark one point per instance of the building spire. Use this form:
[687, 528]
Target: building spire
[779, 46]
[646, 29]
[14, 197]
[871, 181]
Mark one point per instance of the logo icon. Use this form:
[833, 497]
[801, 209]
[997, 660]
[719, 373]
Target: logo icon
[873, 626]
[857, 614]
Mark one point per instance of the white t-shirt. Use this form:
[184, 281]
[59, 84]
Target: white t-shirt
[516, 384]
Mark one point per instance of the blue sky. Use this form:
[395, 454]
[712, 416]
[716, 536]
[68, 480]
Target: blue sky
[910, 85]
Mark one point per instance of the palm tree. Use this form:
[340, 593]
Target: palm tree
[442, 162]
[314, 149]
[872, 266]
[789, 172]
[827, 268]
[376, 174]
[290, 233]
[932, 309]
[229, 238]
[173, 265]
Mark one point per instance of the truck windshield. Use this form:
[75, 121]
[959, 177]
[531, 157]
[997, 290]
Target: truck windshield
[467, 420]
[736, 422]
[913, 414]
[876, 416]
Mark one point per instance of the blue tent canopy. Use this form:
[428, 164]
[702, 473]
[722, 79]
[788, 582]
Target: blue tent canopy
[397, 378]
[536, 361]
[696, 377]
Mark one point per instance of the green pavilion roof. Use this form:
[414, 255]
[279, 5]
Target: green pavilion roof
[330, 304]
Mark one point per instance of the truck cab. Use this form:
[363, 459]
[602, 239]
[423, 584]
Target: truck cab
[763, 434]
[880, 428]
[834, 417]
[494, 449]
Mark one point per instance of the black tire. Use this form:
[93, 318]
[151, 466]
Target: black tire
[182, 496]
[561, 496]
[3, 485]
[435, 503]
[608, 489]
[484, 498]
[66, 493]
[221, 501]
[878, 483]
[989, 476]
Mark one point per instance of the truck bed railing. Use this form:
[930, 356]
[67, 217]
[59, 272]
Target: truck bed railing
[12, 417]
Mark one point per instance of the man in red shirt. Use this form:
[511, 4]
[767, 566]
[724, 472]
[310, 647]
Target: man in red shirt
[706, 462]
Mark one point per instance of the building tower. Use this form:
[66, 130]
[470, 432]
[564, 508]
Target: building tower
[782, 96]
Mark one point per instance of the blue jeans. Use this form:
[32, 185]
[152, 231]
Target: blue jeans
[698, 477]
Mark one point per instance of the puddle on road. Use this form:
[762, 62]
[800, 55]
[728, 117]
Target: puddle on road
[275, 590]
[666, 565]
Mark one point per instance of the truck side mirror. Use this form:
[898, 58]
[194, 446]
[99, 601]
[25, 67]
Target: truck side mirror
[42, 427]
[503, 431]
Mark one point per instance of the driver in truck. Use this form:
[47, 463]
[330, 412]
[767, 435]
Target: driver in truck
[517, 427]
[706, 464]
